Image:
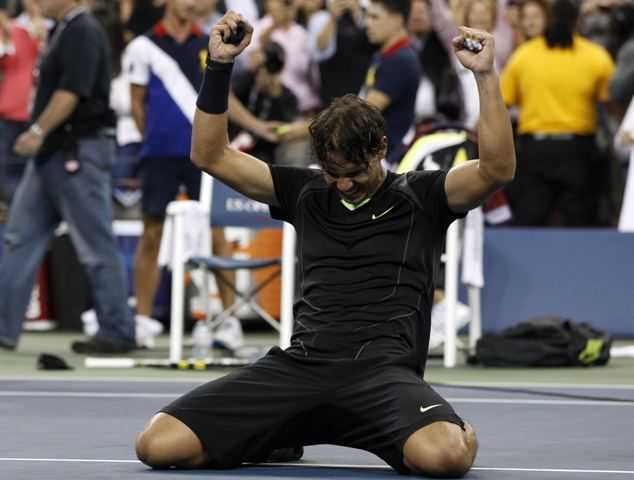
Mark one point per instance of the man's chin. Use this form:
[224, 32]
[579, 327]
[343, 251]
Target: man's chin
[354, 199]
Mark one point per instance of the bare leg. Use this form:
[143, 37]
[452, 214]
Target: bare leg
[167, 442]
[146, 270]
[441, 449]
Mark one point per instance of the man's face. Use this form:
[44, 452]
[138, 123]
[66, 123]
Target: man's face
[54, 8]
[419, 19]
[203, 8]
[282, 11]
[30, 6]
[183, 9]
[353, 182]
[532, 20]
[381, 24]
[480, 16]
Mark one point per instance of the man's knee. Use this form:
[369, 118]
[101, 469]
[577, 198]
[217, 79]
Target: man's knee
[441, 449]
[167, 442]
[148, 449]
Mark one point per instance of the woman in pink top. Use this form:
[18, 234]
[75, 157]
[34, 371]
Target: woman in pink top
[279, 25]
[20, 42]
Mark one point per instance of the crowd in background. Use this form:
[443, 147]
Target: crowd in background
[567, 93]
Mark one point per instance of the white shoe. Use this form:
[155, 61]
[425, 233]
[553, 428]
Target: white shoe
[438, 318]
[229, 334]
[146, 331]
[90, 322]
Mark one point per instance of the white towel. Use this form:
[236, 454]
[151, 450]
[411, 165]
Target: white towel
[196, 232]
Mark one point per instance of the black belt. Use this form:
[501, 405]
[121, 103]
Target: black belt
[554, 136]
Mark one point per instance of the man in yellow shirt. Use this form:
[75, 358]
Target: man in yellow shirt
[557, 80]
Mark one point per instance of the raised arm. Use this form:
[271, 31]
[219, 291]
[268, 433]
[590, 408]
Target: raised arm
[471, 183]
[210, 144]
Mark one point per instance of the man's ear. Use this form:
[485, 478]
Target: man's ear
[383, 147]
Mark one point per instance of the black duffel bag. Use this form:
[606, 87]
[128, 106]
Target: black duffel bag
[544, 342]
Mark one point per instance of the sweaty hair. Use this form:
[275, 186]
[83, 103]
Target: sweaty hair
[561, 23]
[348, 126]
[396, 6]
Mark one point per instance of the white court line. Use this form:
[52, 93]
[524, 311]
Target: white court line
[88, 394]
[192, 379]
[521, 401]
[328, 465]
[512, 401]
[26, 378]
[582, 386]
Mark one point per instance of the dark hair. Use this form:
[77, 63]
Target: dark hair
[349, 126]
[113, 28]
[273, 57]
[397, 6]
[621, 26]
[561, 23]
[543, 4]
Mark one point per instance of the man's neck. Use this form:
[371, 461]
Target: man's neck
[66, 10]
[398, 36]
[176, 27]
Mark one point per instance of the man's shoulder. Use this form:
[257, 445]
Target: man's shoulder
[294, 173]
[404, 58]
[85, 24]
[84, 31]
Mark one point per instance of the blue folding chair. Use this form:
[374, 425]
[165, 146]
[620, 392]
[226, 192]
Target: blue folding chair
[232, 209]
[229, 209]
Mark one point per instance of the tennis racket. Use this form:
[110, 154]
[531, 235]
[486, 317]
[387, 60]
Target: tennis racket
[127, 362]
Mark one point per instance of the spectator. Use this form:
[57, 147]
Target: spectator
[20, 42]
[125, 180]
[160, 113]
[594, 20]
[484, 14]
[338, 44]
[263, 93]
[439, 90]
[165, 69]
[141, 15]
[306, 9]
[252, 10]
[206, 14]
[279, 25]
[68, 178]
[624, 144]
[557, 80]
[622, 84]
[532, 16]
[394, 74]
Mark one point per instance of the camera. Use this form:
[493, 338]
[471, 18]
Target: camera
[273, 57]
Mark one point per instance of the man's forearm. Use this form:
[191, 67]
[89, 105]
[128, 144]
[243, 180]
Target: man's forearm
[61, 106]
[495, 135]
[209, 130]
[323, 40]
[240, 115]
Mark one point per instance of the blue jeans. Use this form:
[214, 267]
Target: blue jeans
[11, 164]
[46, 195]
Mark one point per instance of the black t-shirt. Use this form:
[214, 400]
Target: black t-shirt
[77, 60]
[366, 276]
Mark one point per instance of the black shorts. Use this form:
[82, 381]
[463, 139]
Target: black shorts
[160, 179]
[284, 401]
